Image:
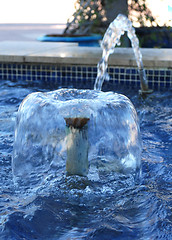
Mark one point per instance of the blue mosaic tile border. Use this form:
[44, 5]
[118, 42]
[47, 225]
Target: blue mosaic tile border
[157, 78]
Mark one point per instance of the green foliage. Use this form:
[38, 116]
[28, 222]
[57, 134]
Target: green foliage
[140, 13]
[159, 37]
[87, 18]
[90, 16]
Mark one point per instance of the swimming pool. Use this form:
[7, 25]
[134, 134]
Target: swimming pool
[98, 207]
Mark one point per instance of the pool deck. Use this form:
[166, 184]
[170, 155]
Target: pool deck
[21, 53]
[18, 44]
[71, 53]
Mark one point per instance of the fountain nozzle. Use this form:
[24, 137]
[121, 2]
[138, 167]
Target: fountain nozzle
[77, 146]
[144, 84]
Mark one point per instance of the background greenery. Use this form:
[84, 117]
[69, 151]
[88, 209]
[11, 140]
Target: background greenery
[94, 17]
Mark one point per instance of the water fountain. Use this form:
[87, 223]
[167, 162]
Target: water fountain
[112, 38]
[59, 128]
[80, 128]
[77, 128]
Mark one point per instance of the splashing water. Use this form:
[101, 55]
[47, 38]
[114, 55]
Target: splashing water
[41, 134]
[112, 38]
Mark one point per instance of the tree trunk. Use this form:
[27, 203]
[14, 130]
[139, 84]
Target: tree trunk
[114, 7]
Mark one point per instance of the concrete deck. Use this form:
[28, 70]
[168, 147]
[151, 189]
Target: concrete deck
[28, 32]
[71, 53]
[18, 43]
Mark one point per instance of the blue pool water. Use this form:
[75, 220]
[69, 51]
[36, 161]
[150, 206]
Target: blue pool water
[111, 206]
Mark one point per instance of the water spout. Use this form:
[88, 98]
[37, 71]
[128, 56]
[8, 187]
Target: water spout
[112, 38]
[77, 146]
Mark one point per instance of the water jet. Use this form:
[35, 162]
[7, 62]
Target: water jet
[112, 38]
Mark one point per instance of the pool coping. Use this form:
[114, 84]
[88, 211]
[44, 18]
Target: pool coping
[72, 54]
[68, 63]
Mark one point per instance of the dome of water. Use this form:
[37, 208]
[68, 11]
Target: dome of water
[44, 141]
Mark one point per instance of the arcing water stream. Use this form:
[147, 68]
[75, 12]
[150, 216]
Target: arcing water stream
[112, 38]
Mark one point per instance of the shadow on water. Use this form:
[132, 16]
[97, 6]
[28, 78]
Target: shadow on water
[102, 206]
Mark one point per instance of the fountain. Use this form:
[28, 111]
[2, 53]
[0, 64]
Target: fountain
[112, 38]
[81, 129]
[88, 133]
[77, 128]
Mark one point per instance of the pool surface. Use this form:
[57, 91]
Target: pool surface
[102, 206]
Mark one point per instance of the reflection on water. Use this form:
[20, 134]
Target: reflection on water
[102, 206]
